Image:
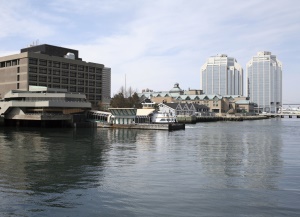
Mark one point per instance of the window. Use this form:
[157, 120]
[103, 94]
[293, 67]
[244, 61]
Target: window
[56, 72]
[72, 81]
[80, 75]
[43, 62]
[50, 63]
[49, 71]
[32, 77]
[56, 64]
[32, 69]
[43, 70]
[92, 69]
[73, 89]
[81, 82]
[91, 76]
[98, 77]
[64, 80]
[56, 86]
[98, 70]
[43, 78]
[33, 61]
[92, 83]
[56, 80]
[43, 84]
[91, 90]
[72, 74]
[15, 62]
[80, 89]
[73, 67]
[65, 65]
[80, 68]
[65, 73]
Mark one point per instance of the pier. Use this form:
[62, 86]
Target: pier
[195, 119]
[282, 115]
[169, 127]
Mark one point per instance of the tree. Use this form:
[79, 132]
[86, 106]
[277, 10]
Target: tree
[119, 101]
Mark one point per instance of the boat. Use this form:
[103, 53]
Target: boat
[163, 118]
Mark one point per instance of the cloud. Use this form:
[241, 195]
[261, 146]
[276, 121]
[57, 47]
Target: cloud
[158, 43]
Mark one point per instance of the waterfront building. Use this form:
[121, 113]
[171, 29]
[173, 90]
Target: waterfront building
[54, 67]
[43, 106]
[222, 75]
[185, 109]
[216, 103]
[264, 81]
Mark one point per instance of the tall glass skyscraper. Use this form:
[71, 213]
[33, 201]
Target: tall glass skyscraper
[222, 75]
[264, 74]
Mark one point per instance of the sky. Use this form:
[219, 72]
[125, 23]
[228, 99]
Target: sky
[157, 43]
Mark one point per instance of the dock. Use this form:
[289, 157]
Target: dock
[196, 119]
[169, 127]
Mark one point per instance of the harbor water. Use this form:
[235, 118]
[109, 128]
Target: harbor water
[248, 168]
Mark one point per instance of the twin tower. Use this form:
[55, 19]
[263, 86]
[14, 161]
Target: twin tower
[223, 75]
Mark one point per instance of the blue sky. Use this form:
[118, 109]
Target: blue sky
[157, 43]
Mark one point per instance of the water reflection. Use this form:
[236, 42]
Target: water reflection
[122, 172]
[243, 159]
[49, 163]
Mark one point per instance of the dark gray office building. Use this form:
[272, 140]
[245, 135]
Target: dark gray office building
[56, 67]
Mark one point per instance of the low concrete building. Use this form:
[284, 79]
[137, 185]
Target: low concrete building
[43, 105]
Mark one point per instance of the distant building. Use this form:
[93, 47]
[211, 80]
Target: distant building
[54, 67]
[215, 102]
[264, 82]
[222, 75]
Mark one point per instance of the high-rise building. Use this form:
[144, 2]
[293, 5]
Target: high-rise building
[54, 67]
[264, 81]
[222, 75]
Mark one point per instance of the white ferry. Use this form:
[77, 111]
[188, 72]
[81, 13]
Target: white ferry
[164, 117]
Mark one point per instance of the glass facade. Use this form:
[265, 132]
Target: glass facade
[222, 75]
[264, 74]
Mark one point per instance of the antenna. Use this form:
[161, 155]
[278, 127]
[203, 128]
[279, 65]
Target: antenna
[125, 87]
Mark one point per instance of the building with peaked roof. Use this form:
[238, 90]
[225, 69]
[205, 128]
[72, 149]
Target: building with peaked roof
[216, 103]
[187, 108]
[264, 74]
[54, 67]
[222, 75]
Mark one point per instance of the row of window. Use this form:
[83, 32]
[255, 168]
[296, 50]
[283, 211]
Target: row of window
[65, 73]
[56, 64]
[43, 78]
[9, 63]
[69, 88]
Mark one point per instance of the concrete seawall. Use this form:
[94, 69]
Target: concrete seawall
[194, 119]
[231, 118]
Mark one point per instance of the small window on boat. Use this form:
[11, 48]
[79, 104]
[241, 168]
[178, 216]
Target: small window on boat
[163, 119]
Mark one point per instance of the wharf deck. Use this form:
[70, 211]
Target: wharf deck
[169, 127]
